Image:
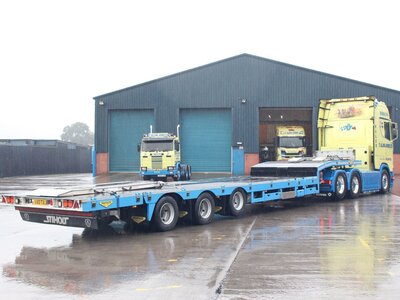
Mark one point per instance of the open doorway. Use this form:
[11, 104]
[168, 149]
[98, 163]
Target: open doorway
[274, 118]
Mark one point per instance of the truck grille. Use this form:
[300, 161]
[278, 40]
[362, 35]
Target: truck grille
[156, 162]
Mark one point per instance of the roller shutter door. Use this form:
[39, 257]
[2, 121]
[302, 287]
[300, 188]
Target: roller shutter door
[126, 131]
[206, 137]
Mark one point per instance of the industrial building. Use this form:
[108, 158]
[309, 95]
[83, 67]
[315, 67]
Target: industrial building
[227, 111]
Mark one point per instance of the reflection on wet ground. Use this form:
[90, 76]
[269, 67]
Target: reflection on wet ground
[187, 261]
[311, 249]
[337, 249]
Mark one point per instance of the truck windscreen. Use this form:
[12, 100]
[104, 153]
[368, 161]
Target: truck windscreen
[149, 146]
[291, 142]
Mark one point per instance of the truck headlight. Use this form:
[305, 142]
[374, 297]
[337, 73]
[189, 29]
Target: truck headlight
[143, 168]
[170, 168]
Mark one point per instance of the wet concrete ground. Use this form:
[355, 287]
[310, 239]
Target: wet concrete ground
[311, 249]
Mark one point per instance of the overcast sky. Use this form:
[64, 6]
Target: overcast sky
[55, 56]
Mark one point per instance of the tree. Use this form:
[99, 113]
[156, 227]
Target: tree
[77, 133]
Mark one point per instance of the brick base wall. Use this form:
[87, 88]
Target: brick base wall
[101, 163]
[250, 159]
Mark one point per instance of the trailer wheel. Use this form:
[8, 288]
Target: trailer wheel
[204, 209]
[165, 214]
[384, 182]
[340, 187]
[237, 202]
[355, 186]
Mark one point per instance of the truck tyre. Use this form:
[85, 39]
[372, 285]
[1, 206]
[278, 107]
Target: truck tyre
[340, 187]
[188, 172]
[237, 202]
[166, 214]
[185, 172]
[385, 186]
[180, 174]
[204, 209]
[355, 186]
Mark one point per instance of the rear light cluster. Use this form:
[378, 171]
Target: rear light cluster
[71, 204]
[7, 199]
[57, 203]
[63, 203]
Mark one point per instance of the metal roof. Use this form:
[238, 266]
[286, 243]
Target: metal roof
[239, 56]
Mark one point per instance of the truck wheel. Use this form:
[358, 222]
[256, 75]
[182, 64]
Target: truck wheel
[204, 209]
[340, 187]
[355, 186]
[384, 182]
[180, 173]
[165, 214]
[188, 172]
[184, 174]
[237, 202]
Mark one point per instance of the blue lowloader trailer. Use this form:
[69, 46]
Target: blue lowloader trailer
[329, 173]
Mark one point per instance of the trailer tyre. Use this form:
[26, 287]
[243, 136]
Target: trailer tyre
[340, 187]
[166, 214]
[237, 202]
[204, 209]
[355, 186]
[384, 182]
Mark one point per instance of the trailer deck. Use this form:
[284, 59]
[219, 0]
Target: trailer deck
[140, 201]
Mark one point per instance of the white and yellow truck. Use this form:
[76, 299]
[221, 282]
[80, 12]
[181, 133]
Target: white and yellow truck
[290, 142]
[355, 137]
[160, 157]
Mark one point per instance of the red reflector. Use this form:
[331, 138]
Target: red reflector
[326, 181]
[76, 205]
[9, 199]
[3, 199]
[51, 202]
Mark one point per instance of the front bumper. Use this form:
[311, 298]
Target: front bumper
[158, 173]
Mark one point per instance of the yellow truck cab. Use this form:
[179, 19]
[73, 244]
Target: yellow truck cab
[290, 142]
[160, 157]
[362, 124]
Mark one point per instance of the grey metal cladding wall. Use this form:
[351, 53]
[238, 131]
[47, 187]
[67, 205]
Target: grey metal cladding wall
[38, 160]
[262, 82]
